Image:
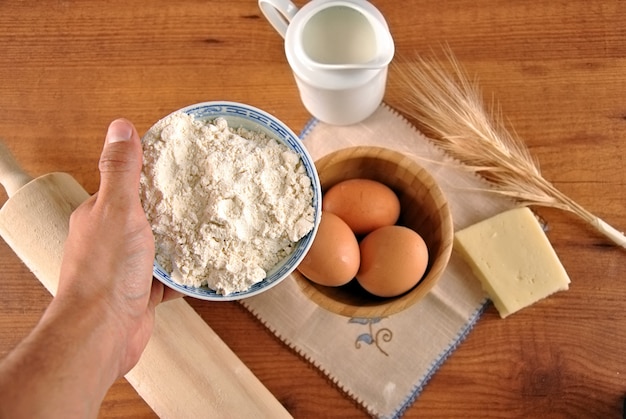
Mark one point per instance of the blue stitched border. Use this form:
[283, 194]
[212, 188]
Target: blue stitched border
[308, 127]
[463, 333]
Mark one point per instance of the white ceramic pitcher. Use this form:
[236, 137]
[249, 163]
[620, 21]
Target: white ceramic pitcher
[339, 51]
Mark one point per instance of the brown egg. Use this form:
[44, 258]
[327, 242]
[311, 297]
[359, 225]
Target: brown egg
[393, 260]
[363, 204]
[333, 258]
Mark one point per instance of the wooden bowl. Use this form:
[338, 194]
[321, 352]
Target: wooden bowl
[424, 209]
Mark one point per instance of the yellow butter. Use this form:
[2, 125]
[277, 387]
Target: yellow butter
[513, 259]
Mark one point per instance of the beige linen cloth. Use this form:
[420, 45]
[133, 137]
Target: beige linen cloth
[384, 363]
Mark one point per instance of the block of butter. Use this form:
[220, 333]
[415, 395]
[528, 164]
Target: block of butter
[513, 259]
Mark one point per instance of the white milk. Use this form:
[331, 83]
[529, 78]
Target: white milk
[339, 35]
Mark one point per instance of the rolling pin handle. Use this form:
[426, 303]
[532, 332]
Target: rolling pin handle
[12, 177]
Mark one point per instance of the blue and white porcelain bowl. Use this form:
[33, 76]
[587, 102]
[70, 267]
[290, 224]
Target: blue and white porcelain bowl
[253, 119]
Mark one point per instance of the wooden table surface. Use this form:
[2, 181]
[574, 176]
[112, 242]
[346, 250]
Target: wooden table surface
[558, 68]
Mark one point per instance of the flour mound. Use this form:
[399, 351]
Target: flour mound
[225, 204]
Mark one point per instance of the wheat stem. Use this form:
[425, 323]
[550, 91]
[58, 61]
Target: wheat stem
[449, 108]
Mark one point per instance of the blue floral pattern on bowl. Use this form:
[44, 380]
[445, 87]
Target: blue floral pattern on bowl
[251, 118]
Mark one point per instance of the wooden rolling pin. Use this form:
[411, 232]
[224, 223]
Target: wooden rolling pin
[186, 371]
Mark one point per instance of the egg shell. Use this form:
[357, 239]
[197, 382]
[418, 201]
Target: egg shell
[333, 259]
[363, 204]
[393, 260]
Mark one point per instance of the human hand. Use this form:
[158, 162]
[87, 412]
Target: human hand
[109, 252]
[102, 316]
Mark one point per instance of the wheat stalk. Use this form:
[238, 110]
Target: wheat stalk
[449, 108]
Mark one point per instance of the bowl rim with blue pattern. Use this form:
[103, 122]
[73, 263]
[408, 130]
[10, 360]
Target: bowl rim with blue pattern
[254, 119]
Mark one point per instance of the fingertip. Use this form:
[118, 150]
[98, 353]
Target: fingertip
[156, 293]
[120, 130]
[160, 293]
[170, 294]
[121, 160]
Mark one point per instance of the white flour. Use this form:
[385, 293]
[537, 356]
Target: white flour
[225, 205]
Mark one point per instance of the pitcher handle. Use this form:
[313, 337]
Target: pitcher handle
[279, 13]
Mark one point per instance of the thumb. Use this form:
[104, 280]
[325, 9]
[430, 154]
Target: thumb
[120, 162]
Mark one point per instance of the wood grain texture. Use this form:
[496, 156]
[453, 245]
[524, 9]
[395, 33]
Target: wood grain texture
[558, 69]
